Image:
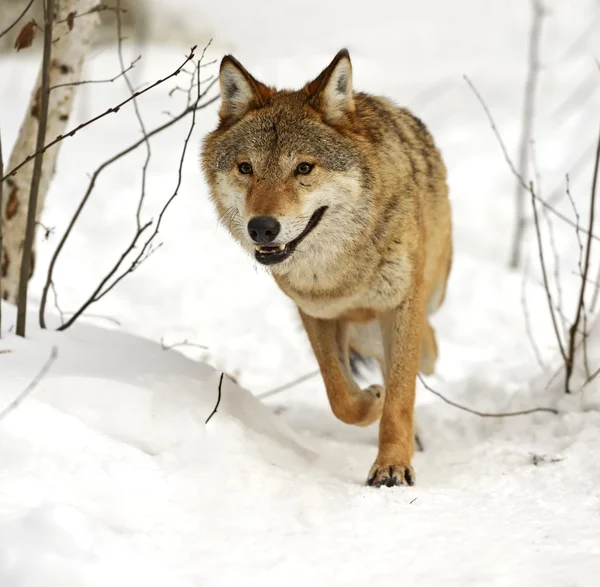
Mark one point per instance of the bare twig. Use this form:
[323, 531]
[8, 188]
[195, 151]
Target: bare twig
[586, 267]
[99, 317]
[596, 291]
[486, 414]
[528, 329]
[581, 276]
[16, 22]
[559, 370]
[37, 172]
[148, 247]
[288, 385]
[112, 110]
[558, 193]
[552, 239]
[567, 350]
[100, 81]
[538, 459]
[512, 167]
[100, 7]
[218, 401]
[551, 308]
[99, 292]
[190, 109]
[34, 383]
[56, 305]
[450, 402]
[48, 230]
[138, 115]
[591, 378]
[526, 130]
[182, 343]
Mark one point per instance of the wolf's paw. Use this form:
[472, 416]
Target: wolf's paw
[370, 401]
[376, 391]
[389, 475]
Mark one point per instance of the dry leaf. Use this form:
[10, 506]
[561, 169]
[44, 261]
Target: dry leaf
[26, 35]
[70, 20]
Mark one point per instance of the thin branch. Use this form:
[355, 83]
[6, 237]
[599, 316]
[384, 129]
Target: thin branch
[48, 230]
[218, 401]
[37, 172]
[56, 305]
[526, 130]
[512, 168]
[496, 131]
[19, 18]
[100, 7]
[99, 81]
[190, 109]
[34, 383]
[288, 385]
[138, 115]
[98, 293]
[551, 234]
[558, 193]
[596, 291]
[182, 343]
[112, 110]
[591, 378]
[99, 317]
[581, 276]
[586, 267]
[147, 248]
[486, 414]
[545, 277]
[528, 329]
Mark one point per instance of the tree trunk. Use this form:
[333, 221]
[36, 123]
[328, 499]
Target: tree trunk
[72, 41]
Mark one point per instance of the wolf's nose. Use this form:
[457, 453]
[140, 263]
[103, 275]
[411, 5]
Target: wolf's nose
[263, 229]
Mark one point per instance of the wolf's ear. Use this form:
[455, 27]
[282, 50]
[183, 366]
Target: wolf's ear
[240, 92]
[331, 92]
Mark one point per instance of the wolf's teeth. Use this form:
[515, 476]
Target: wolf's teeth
[266, 250]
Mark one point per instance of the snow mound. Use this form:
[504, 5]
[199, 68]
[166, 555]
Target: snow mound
[110, 476]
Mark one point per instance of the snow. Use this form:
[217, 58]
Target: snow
[108, 473]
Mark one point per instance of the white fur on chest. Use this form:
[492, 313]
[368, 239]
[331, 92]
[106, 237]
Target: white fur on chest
[386, 291]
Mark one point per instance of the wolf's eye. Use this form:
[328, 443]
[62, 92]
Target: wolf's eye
[245, 168]
[304, 168]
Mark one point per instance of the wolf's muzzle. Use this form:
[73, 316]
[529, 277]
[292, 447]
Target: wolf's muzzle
[271, 255]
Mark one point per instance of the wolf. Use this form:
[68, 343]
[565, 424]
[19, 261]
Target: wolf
[343, 196]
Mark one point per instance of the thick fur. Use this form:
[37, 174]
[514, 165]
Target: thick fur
[375, 267]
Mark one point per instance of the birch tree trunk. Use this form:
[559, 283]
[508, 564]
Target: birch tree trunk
[73, 37]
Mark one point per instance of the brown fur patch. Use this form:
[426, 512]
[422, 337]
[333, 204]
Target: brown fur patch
[12, 203]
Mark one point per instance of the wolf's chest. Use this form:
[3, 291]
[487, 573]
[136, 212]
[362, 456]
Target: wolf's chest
[361, 302]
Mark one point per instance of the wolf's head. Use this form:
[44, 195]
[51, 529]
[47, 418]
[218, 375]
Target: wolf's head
[285, 167]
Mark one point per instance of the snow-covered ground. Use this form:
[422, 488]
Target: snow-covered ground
[108, 474]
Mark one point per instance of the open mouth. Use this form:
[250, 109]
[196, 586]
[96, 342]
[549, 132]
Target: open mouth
[271, 255]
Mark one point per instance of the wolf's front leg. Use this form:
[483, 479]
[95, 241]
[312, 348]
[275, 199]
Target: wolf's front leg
[329, 340]
[402, 331]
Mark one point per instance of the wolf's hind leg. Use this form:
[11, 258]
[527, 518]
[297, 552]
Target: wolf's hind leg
[350, 404]
[365, 339]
